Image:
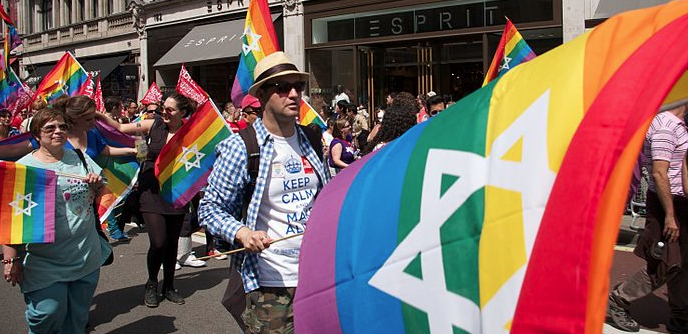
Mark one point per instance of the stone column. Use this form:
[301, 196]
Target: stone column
[294, 33]
[573, 18]
[139, 22]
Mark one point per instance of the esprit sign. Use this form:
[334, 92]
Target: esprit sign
[204, 41]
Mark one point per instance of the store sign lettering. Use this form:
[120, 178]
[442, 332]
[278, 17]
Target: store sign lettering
[207, 41]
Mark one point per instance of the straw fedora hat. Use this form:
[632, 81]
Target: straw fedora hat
[274, 65]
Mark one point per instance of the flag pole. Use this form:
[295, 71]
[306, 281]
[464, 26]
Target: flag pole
[244, 248]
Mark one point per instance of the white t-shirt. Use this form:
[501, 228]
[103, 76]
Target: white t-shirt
[286, 204]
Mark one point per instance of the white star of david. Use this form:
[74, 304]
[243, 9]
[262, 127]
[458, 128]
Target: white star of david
[18, 204]
[60, 84]
[531, 177]
[505, 63]
[254, 41]
[196, 163]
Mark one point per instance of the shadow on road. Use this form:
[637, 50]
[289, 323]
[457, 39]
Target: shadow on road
[153, 324]
[650, 311]
[110, 304]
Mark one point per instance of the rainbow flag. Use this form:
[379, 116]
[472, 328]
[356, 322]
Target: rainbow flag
[308, 115]
[259, 40]
[499, 215]
[120, 172]
[27, 204]
[511, 51]
[10, 88]
[187, 159]
[67, 77]
[17, 146]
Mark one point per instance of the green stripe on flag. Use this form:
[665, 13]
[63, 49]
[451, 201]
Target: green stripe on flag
[462, 127]
[29, 187]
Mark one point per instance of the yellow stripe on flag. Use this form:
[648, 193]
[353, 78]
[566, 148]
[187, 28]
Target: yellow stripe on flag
[19, 188]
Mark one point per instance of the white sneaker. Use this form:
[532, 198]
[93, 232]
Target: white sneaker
[219, 257]
[192, 261]
[177, 266]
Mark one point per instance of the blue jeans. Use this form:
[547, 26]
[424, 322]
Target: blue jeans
[62, 307]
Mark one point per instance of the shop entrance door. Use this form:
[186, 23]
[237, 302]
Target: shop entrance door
[372, 88]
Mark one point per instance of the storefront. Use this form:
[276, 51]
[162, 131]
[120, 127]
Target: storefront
[376, 47]
[208, 49]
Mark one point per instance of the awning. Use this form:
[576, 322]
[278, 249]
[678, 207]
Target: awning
[207, 42]
[608, 8]
[104, 65]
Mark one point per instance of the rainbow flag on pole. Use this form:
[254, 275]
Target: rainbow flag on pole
[10, 89]
[501, 214]
[187, 159]
[511, 51]
[259, 40]
[27, 204]
[67, 77]
[308, 115]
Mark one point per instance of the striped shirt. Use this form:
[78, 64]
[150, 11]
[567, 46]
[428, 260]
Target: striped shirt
[666, 140]
[221, 206]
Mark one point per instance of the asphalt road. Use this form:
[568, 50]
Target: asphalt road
[118, 303]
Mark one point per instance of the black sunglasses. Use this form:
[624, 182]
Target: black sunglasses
[286, 87]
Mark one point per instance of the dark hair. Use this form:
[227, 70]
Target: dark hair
[433, 101]
[111, 102]
[392, 94]
[184, 104]
[339, 124]
[352, 108]
[315, 127]
[5, 111]
[74, 107]
[399, 117]
[38, 105]
[130, 101]
[338, 89]
[44, 116]
[342, 104]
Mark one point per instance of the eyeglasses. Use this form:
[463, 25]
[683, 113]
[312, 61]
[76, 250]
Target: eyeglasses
[286, 87]
[52, 128]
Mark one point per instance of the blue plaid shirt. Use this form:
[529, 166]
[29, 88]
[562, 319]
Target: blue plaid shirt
[220, 210]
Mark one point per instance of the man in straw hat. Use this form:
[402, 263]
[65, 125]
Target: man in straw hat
[291, 172]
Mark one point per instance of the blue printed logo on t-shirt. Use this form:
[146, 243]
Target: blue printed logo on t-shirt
[293, 166]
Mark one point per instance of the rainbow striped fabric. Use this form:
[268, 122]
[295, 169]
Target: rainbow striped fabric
[10, 88]
[499, 215]
[186, 160]
[511, 51]
[120, 172]
[67, 77]
[27, 204]
[308, 115]
[258, 41]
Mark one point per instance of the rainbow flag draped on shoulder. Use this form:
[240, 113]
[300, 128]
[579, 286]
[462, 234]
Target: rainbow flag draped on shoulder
[27, 204]
[308, 115]
[67, 77]
[121, 172]
[187, 159]
[499, 215]
[259, 40]
[511, 51]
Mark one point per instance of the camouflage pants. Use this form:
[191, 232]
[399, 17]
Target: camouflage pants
[269, 311]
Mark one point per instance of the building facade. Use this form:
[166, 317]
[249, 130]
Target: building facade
[100, 34]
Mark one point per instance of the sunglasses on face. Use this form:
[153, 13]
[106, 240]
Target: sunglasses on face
[286, 87]
[52, 128]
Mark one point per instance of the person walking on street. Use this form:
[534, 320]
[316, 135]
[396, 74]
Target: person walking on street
[291, 172]
[665, 145]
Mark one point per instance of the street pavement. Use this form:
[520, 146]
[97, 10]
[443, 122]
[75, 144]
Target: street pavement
[118, 304]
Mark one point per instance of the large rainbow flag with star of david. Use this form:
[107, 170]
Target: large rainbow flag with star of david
[27, 204]
[500, 214]
[259, 40]
[185, 162]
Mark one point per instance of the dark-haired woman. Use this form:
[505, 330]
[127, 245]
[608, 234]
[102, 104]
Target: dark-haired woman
[399, 117]
[58, 279]
[163, 222]
[341, 151]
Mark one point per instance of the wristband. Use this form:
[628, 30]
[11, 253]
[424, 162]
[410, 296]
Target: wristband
[11, 260]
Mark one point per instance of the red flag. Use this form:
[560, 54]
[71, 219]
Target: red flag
[187, 87]
[100, 104]
[87, 89]
[153, 95]
[22, 101]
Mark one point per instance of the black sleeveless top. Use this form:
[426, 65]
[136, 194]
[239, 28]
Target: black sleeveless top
[149, 187]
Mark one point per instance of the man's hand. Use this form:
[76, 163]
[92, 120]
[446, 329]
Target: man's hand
[254, 241]
[13, 272]
[670, 229]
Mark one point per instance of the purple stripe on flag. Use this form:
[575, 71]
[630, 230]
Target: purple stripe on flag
[49, 225]
[114, 137]
[320, 254]
[190, 192]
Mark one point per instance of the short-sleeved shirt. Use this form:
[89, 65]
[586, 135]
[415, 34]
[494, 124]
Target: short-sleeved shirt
[94, 143]
[347, 152]
[77, 250]
[667, 140]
